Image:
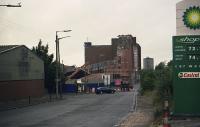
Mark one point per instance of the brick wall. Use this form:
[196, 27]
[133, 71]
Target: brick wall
[96, 54]
[11, 90]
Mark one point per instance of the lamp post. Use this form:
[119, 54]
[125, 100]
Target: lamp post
[58, 60]
[11, 5]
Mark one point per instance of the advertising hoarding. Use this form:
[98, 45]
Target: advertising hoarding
[186, 74]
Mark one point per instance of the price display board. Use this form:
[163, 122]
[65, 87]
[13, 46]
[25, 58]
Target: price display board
[186, 75]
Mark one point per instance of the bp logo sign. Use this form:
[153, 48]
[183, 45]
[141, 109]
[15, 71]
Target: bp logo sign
[191, 17]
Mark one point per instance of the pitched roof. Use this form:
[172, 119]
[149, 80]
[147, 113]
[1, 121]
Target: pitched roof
[78, 73]
[5, 48]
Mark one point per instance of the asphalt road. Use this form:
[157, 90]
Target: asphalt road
[86, 110]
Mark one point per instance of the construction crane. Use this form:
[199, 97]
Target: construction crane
[10, 5]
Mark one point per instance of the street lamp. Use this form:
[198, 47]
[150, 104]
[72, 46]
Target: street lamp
[63, 37]
[10, 5]
[63, 31]
[58, 77]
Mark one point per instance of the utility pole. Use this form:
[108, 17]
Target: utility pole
[58, 66]
[62, 78]
[10, 5]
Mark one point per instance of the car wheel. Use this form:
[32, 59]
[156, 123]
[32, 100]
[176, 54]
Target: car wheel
[101, 92]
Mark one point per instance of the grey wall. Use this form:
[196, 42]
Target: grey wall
[20, 64]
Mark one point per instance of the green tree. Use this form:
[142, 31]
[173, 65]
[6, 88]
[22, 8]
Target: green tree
[147, 80]
[163, 89]
[163, 73]
[160, 82]
[49, 65]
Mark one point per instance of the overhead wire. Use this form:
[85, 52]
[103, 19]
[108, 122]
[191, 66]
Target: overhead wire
[9, 25]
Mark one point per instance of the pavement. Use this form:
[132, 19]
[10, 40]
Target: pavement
[14, 104]
[85, 110]
[188, 122]
[142, 115]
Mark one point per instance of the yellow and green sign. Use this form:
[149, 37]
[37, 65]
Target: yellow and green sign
[191, 17]
[186, 74]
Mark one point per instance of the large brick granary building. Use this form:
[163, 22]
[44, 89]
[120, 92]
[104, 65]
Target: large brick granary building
[121, 60]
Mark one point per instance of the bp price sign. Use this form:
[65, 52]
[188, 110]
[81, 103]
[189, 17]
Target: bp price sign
[186, 74]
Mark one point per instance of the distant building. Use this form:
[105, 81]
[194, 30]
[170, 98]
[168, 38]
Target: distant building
[121, 60]
[21, 73]
[148, 63]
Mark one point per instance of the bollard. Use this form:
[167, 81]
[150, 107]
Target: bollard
[166, 114]
[29, 99]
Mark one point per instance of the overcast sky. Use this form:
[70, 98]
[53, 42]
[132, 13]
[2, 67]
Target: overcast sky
[153, 22]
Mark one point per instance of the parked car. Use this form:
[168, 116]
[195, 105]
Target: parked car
[101, 90]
